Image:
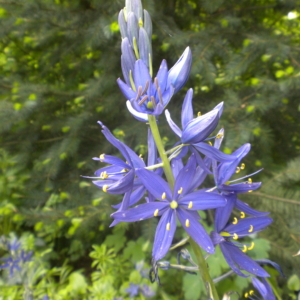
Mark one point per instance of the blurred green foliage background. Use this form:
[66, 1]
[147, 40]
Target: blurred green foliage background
[59, 61]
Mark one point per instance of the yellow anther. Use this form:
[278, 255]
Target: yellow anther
[103, 175]
[243, 166]
[249, 180]
[163, 196]
[187, 223]
[190, 205]
[210, 143]
[104, 189]
[156, 213]
[242, 215]
[238, 170]
[251, 228]
[219, 135]
[246, 295]
[250, 191]
[180, 191]
[102, 156]
[245, 248]
[226, 234]
[235, 221]
[199, 114]
[235, 236]
[251, 292]
[174, 204]
[168, 227]
[141, 156]
[251, 247]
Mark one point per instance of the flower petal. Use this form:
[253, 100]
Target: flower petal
[179, 73]
[113, 160]
[202, 200]
[272, 263]
[187, 108]
[162, 75]
[154, 184]
[240, 187]
[118, 187]
[173, 126]
[227, 255]
[213, 152]
[138, 115]
[248, 210]
[144, 46]
[243, 225]
[141, 74]
[140, 212]
[126, 90]
[227, 169]
[184, 178]
[132, 27]
[264, 288]
[200, 128]
[152, 150]
[195, 230]
[245, 262]
[164, 234]
[223, 213]
[135, 196]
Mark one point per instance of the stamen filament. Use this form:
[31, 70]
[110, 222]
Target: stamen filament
[145, 88]
[246, 176]
[143, 100]
[153, 101]
[139, 93]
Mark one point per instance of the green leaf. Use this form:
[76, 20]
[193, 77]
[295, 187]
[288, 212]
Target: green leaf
[192, 287]
[294, 283]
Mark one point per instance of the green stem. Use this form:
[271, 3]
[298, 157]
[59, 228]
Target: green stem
[161, 150]
[274, 289]
[210, 286]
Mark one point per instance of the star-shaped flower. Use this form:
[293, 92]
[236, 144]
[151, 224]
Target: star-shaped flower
[181, 203]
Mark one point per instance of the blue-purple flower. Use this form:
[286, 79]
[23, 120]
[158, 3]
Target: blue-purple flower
[222, 174]
[235, 252]
[195, 131]
[12, 264]
[147, 97]
[181, 203]
[264, 289]
[118, 178]
[133, 290]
